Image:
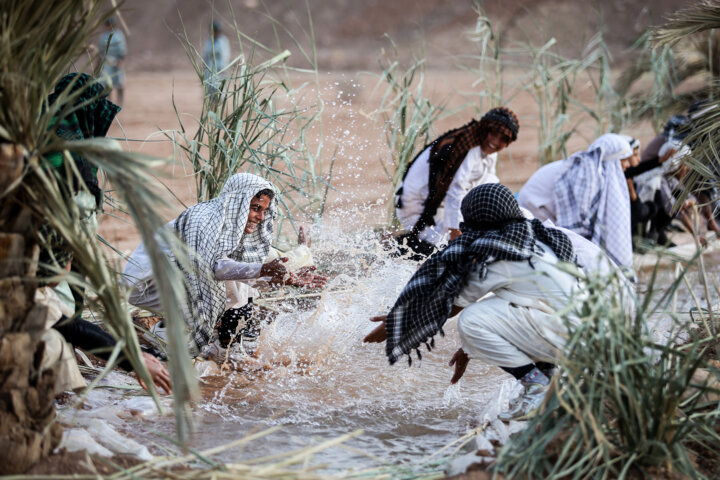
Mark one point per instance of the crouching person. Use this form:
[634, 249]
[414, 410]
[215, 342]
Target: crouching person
[228, 240]
[519, 328]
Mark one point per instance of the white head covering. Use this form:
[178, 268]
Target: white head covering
[672, 164]
[216, 229]
[591, 197]
[634, 142]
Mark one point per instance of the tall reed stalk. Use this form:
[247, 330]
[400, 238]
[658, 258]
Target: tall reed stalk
[553, 81]
[258, 123]
[407, 117]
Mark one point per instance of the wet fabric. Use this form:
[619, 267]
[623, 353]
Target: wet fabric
[227, 326]
[89, 116]
[216, 229]
[494, 229]
[592, 199]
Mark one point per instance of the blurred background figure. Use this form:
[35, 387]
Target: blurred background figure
[113, 48]
[216, 56]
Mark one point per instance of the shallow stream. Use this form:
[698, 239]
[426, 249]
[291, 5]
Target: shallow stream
[318, 381]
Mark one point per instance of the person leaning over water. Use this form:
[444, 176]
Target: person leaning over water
[228, 238]
[517, 328]
[428, 200]
[588, 194]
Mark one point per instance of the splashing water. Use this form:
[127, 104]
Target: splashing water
[319, 381]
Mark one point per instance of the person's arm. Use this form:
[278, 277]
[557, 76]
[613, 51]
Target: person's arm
[643, 167]
[460, 360]
[279, 275]
[229, 269]
[631, 190]
[379, 333]
[91, 337]
[121, 47]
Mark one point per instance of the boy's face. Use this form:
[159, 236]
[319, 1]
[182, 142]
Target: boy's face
[494, 142]
[258, 207]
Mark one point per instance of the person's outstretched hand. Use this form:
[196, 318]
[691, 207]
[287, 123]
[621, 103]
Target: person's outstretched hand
[307, 278]
[159, 374]
[277, 272]
[379, 333]
[460, 359]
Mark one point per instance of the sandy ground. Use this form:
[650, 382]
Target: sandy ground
[349, 130]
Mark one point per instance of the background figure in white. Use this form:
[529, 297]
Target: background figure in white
[587, 193]
[216, 56]
[113, 49]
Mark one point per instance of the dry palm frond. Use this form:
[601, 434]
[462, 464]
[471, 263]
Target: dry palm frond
[135, 187]
[702, 16]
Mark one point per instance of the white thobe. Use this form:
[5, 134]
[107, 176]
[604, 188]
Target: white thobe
[518, 324]
[476, 169]
[537, 195]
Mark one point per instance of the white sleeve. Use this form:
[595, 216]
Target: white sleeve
[228, 269]
[122, 45]
[224, 53]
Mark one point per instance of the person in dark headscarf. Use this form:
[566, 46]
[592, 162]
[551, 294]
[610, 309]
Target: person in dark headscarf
[428, 201]
[87, 114]
[84, 112]
[502, 252]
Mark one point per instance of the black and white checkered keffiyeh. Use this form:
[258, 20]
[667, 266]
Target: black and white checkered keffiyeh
[494, 229]
[216, 229]
[592, 199]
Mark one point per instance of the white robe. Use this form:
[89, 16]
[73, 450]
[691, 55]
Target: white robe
[537, 194]
[518, 324]
[476, 169]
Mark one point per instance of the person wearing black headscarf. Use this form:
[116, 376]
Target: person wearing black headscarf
[500, 252]
[428, 200]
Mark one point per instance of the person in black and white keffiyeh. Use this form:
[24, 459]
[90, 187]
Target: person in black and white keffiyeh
[228, 239]
[499, 251]
[587, 193]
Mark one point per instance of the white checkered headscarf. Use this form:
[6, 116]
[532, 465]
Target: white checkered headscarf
[216, 229]
[494, 229]
[592, 199]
